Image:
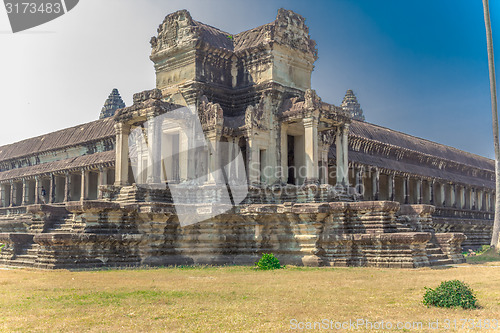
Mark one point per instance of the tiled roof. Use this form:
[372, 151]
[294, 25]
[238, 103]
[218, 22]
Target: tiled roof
[214, 36]
[251, 38]
[67, 137]
[395, 138]
[107, 157]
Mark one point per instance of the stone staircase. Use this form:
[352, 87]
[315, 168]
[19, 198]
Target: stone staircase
[434, 251]
[26, 256]
[128, 194]
[436, 255]
[15, 223]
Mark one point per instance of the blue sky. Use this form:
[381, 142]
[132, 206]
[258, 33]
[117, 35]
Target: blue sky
[419, 67]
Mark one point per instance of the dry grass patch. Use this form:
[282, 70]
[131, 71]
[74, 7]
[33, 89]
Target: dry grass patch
[230, 299]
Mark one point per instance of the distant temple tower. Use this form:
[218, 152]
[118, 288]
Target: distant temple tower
[350, 104]
[113, 103]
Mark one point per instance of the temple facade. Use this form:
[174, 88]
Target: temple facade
[234, 138]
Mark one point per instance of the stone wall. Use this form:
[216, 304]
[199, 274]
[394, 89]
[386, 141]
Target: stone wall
[105, 234]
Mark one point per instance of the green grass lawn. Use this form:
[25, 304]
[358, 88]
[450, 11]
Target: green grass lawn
[233, 299]
[489, 255]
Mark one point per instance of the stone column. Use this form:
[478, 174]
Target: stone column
[233, 167]
[311, 149]
[284, 153]
[453, 196]
[67, 186]
[253, 154]
[103, 176]
[324, 166]
[358, 179]
[85, 185]
[37, 190]
[462, 197]
[25, 192]
[183, 157]
[2, 195]
[191, 155]
[487, 201]
[12, 193]
[121, 150]
[419, 191]
[473, 198]
[213, 159]
[492, 201]
[479, 199]
[342, 150]
[443, 194]
[52, 189]
[431, 184]
[406, 189]
[154, 156]
[392, 186]
[101, 180]
[375, 184]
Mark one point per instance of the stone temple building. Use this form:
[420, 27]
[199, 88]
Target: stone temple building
[322, 186]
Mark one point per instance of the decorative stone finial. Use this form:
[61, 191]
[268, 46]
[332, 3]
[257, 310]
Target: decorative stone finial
[113, 103]
[350, 104]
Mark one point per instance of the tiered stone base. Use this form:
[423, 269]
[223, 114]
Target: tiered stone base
[107, 234]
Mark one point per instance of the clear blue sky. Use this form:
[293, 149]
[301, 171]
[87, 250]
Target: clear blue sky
[419, 67]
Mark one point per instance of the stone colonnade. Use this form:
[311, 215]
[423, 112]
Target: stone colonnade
[373, 184]
[62, 186]
[309, 150]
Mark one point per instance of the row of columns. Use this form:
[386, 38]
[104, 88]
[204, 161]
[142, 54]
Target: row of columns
[9, 191]
[455, 196]
[260, 154]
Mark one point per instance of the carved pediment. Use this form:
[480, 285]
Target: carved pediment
[176, 29]
[211, 114]
[292, 30]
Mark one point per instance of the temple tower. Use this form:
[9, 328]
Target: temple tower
[113, 103]
[350, 104]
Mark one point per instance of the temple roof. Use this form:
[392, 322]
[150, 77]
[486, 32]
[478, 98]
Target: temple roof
[95, 130]
[287, 28]
[69, 164]
[406, 141]
[214, 36]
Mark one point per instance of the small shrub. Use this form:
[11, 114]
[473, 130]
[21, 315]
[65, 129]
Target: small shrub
[451, 294]
[484, 248]
[268, 261]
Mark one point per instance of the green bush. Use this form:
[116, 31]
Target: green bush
[483, 249]
[268, 261]
[451, 294]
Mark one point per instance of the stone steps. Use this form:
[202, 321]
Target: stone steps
[127, 194]
[436, 256]
[66, 226]
[26, 257]
[440, 262]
